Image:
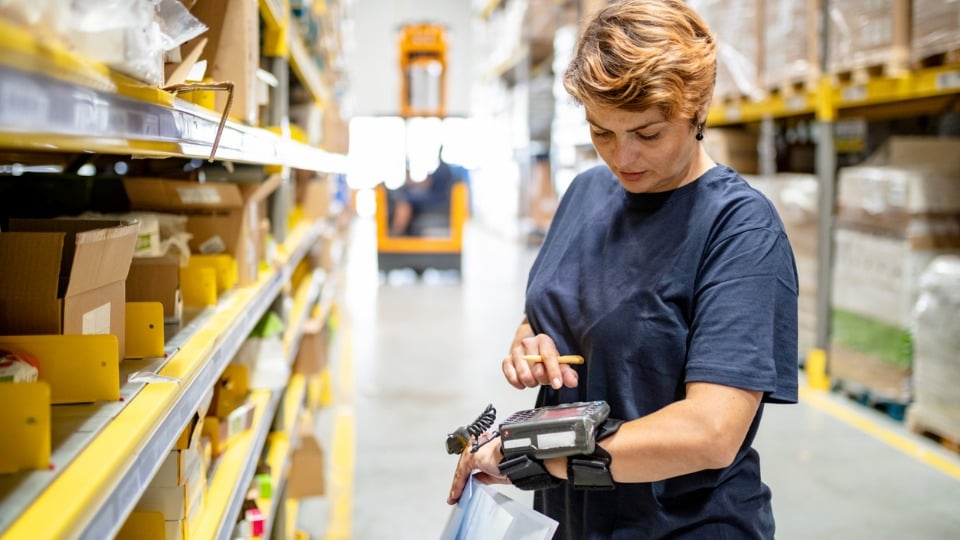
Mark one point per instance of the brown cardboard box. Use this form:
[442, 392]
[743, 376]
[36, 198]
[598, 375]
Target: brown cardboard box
[157, 279]
[312, 354]
[307, 470]
[317, 195]
[223, 217]
[734, 148]
[65, 276]
[232, 52]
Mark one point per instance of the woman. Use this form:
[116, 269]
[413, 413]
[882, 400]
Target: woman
[675, 280]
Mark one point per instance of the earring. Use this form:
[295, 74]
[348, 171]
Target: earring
[699, 134]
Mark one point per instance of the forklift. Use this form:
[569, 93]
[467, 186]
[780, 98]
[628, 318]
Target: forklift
[433, 240]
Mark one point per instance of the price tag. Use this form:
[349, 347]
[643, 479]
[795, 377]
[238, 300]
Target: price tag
[855, 93]
[948, 80]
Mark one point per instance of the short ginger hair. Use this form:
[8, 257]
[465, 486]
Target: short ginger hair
[637, 54]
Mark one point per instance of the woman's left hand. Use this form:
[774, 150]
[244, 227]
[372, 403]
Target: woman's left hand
[485, 461]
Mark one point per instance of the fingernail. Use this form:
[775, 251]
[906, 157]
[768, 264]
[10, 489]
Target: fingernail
[557, 383]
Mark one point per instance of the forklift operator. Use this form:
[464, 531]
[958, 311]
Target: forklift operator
[432, 196]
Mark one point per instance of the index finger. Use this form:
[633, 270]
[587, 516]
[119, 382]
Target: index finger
[550, 359]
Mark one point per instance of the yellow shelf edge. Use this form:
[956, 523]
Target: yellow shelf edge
[278, 457]
[22, 53]
[293, 401]
[22, 49]
[224, 487]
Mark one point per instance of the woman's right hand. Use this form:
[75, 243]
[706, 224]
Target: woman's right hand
[522, 373]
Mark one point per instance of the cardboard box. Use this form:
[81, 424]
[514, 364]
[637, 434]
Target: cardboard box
[65, 276]
[222, 217]
[313, 353]
[908, 175]
[232, 52]
[878, 276]
[176, 468]
[866, 34]
[315, 195]
[307, 469]
[175, 502]
[734, 148]
[157, 279]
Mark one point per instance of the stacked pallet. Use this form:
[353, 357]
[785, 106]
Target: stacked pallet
[936, 376]
[895, 215]
[935, 32]
[868, 39]
[738, 27]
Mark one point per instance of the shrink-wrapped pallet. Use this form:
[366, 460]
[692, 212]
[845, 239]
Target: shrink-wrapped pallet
[791, 44]
[895, 215]
[739, 30]
[936, 373]
[868, 34]
[935, 29]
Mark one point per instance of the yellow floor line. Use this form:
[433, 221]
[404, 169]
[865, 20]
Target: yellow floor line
[912, 448]
[343, 445]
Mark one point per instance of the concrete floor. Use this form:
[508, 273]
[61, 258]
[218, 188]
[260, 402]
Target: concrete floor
[420, 358]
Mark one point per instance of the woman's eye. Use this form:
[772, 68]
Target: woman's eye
[600, 133]
[651, 137]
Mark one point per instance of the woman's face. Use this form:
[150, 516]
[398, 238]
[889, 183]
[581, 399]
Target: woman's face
[648, 152]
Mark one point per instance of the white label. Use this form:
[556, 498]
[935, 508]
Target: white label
[732, 112]
[97, 320]
[561, 439]
[198, 195]
[948, 80]
[855, 93]
[516, 443]
[796, 103]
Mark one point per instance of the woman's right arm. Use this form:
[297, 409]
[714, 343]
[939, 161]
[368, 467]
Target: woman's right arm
[522, 373]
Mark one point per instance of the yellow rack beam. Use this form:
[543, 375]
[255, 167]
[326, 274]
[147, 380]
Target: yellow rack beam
[919, 84]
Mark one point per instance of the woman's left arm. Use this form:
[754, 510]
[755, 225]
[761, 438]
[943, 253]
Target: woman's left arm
[705, 430]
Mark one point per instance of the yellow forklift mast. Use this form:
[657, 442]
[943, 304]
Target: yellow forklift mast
[436, 241]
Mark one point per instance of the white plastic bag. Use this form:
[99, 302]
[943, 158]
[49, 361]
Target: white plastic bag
[484, 513]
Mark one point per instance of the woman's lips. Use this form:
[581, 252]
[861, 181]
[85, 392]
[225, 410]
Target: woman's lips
[632, 176]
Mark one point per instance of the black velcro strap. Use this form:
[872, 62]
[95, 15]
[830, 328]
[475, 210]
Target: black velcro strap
[527, 473]
[592, 472]
[589, 472]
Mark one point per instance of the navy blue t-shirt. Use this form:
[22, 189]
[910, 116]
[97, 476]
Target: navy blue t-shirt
[658, 290]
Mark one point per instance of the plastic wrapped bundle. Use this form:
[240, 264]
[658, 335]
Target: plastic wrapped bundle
[936, 372]
[935, 28]
[790, 44]
[739, 32]
[868, 34]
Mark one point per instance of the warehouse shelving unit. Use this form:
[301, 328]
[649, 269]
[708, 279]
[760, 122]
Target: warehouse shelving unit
[54, 102]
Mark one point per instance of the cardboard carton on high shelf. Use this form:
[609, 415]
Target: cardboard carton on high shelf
[232, 52]
[65, 276]
[222, 217]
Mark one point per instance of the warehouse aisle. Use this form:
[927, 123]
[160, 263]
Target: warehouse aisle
[424, 359]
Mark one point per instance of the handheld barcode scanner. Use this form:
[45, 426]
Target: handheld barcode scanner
[555, 431]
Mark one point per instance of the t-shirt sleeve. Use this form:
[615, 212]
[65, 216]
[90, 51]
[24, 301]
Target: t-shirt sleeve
[744, 327]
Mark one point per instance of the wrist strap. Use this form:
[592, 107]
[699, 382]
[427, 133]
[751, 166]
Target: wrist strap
[592, 472]
[527, 473]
